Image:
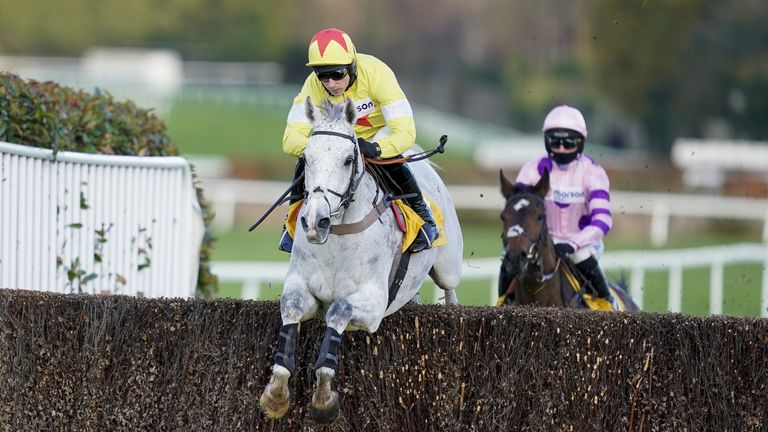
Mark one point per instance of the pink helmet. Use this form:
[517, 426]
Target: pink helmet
[565, 117]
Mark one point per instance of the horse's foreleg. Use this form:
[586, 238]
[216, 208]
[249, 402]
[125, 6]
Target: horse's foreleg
[275, 399]
[325, 401]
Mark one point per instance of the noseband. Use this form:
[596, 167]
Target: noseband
[346, 196]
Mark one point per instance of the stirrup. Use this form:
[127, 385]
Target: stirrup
[286, 242]
[424, 240]
[614, 303]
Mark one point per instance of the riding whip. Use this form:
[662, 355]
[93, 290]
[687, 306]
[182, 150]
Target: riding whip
[279, 201]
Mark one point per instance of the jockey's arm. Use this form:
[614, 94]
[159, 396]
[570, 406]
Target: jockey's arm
[298, 127]
[599, 205]
[397, 113]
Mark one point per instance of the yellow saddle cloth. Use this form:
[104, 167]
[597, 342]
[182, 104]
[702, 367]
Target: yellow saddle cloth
[598, 303]
[412, 222]
[593, 302]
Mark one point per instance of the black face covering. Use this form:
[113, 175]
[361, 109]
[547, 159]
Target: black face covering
[563, 158]
[563, 138]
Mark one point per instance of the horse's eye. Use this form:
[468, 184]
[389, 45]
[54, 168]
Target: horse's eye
[348, 162]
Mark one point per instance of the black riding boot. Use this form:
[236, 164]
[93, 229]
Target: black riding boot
[594, 275]
[286, 242]
[401, 176]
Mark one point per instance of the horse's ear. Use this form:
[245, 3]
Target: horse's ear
[507, 188]
[542, 186]
[309, 108]
[349, 111]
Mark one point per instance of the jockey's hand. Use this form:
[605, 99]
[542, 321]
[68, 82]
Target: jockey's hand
[370, 150]
[564, 249]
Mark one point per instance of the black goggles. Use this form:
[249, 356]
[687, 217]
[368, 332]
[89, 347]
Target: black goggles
[566, 139]
[336, 74]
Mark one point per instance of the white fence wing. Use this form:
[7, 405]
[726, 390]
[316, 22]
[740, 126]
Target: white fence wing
[97, 223]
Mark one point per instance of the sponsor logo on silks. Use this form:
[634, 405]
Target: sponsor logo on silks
[364, 108]
[566, 195]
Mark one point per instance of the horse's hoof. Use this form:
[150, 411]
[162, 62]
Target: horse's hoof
[274, 405]
[328, 411]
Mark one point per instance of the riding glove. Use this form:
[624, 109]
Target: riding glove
[563, 249]
[370, 149]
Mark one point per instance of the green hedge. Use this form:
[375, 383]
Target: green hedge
[118, 363]
[47, 115]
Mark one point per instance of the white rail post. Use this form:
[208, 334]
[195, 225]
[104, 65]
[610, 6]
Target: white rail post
[251, 289]
[675, 293]
[716, 288]
[494, 289]
[636, 283]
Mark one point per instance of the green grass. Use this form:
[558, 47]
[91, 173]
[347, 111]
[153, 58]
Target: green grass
[227, 130]
[232, 130]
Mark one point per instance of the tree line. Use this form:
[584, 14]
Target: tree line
[643, 71]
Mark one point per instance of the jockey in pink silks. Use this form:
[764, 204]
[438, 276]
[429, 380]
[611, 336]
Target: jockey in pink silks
[578, 204]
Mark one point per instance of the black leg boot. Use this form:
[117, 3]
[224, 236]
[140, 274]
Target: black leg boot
[286, 242]
[592, 272]
[505, 279]
[402, 176]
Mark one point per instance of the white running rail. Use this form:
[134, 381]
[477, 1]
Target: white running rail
[226, 194]
[253, 275]
[97, 223]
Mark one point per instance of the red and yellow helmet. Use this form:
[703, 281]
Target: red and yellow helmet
[331, 47]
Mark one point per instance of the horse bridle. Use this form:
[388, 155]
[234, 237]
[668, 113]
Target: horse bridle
[348, 195]
[532, 255]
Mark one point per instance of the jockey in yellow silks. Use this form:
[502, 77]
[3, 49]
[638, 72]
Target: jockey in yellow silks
[384, 127]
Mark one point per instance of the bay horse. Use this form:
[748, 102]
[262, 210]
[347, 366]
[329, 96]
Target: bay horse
[345, 250]
[543, 278]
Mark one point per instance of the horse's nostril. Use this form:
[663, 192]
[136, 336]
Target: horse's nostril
[324, 223]
[304, 222]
